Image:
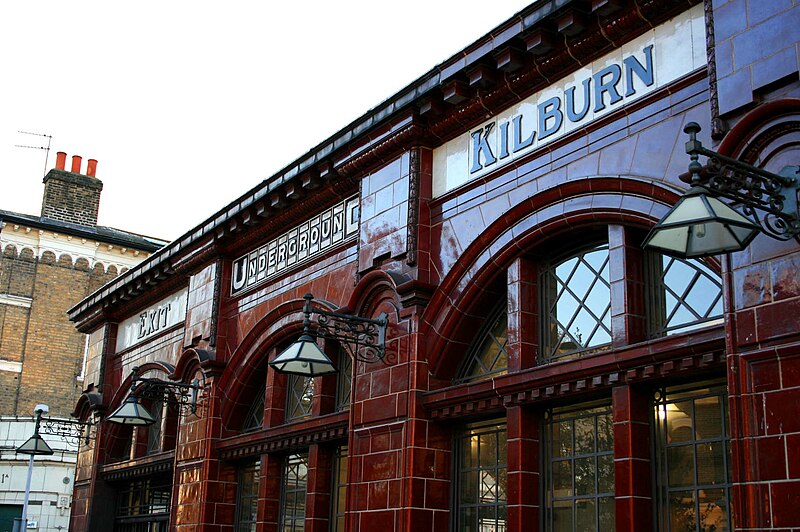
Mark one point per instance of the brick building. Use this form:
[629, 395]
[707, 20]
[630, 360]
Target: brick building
[543, 370]
[47, 264]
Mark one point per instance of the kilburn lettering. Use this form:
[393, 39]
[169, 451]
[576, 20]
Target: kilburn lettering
[606, 88]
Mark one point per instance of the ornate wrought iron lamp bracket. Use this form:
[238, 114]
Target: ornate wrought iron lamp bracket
[770, 200]
[179, 396]
[363, 338]
[71, 430]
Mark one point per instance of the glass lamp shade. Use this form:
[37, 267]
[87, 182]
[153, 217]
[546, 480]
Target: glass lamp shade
[700, 225]
[304, 357]
[131, 412]
[35, 445]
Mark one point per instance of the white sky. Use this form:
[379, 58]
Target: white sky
[188, 104]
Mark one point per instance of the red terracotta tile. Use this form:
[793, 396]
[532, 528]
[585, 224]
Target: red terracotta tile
[780, 411]
[437, 494]
[764, 376]
[785, 498]
[771, 458]
[790, 370]
[777, 319]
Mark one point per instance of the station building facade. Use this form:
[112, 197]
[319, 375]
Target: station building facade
[543, 371]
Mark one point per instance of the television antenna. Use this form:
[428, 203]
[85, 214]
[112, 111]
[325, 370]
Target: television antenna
[45, 148]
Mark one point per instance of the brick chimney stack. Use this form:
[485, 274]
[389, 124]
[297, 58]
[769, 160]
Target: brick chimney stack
[70, 196]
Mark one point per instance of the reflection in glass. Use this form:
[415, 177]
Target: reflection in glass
[300, 393]
[344, 380]
[692, 459]
[482, 480]
[247, 497]
[338, 504]
[488, 355]
[293, 493]
[684, 294]
[580, 473]
[577, 304]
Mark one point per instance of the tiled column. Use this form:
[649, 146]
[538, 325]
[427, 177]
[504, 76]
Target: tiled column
[523, 468]
[318, 491]
[523, 342]
[632, 466]
[628, 321]
[269, 493]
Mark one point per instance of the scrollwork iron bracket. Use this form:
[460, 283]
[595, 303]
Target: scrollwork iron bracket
[180, 397]
[770, 200]
[364, 339]
[69, 430]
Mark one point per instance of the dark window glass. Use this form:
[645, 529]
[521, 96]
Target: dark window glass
[692, 458]
[143, 505]
[344, 380]
[155, 431]
[488, 356]
[247, 497]
[481, 478]
[339, 490]
[254, 419]
[299, 395]
[577, 304]
[293, 493]
[684, 294]
[580, 470]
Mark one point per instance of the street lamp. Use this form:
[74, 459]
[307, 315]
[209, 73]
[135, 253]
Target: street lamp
[363, 338]
[33, 446]
[701, 225]
[178, 395]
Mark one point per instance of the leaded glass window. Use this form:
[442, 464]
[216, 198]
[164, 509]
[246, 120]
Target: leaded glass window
[482, 480]
[339, 490]
[300, 393]
[247, 496]
[577, 304]
[580, 470]
[684, 294]
[344, 380]
[488, 356]
[254, 419]
[693, 459]
[293, 493]
[156, 430]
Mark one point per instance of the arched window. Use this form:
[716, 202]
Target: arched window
[488, 356]
[684, 294]
[577, 304]
[299, 396]
[155, 432]
[344, 380]
[254, 419]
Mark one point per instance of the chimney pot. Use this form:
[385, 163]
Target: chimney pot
[61, 160]
[76, 164]
[91, 167]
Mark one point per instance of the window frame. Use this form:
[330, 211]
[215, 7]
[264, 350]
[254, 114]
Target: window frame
[548, 283]
[288, 461]
[493, 426]
[464, 373]
[573, 413]
[240, 523]
[294, 407]
[661, 488]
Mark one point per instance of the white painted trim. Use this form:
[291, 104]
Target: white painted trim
[15, 301]
[14, 367]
